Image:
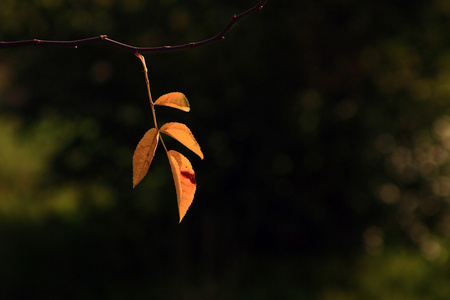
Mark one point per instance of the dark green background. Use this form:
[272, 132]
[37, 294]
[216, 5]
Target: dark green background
[326, 132]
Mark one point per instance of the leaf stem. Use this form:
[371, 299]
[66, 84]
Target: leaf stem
[164, 145]
[138, 55]
[152, 104]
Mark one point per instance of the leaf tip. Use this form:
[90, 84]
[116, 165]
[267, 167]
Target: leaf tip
[137, 180]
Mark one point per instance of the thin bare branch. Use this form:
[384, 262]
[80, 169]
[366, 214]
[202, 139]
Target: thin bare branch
[104, 38]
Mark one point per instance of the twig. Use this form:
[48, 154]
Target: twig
[104, 38]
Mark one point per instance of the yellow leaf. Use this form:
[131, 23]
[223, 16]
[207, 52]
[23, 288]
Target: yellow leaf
[143, 155]
[181, 133]
[184, 178]
[175, 100]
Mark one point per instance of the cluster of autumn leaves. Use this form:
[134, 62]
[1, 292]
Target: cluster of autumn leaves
[182, 171]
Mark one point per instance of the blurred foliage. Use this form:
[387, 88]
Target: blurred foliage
[326, 132]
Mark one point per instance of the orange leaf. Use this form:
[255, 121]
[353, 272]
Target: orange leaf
[143, 155]
[175, 100]
[184, 178]
[181, 133]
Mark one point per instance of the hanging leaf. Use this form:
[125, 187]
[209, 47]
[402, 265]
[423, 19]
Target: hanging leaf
[183, 134]
[175, 100]
[143, 155]
[184, 178]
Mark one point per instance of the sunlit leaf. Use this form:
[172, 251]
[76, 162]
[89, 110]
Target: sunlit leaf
[143, 155]
[183, 134]
[175, 100]
[184, 178]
